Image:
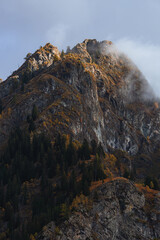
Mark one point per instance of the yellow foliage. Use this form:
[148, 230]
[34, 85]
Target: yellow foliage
[112, 159]
[67, 137]
[56, 58]
[76, 144]
[151, 185]
[57, 231]
[32, 237]
[80, 200]
[108, 173]
[148, 139]
[45, 63]
[9, 111]
[44, 124]
[44, 228]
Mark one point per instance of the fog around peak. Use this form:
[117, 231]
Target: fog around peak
[25, 25]
[146, 56]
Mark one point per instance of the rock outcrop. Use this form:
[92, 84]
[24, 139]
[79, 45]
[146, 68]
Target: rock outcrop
[118, 212]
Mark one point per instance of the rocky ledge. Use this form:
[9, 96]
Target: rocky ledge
[115, 210]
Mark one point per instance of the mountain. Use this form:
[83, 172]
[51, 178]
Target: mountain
[78, 118]
[92, 92]
[117, 210]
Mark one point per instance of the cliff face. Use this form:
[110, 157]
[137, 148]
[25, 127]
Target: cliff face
[119, 211]
[93, 92]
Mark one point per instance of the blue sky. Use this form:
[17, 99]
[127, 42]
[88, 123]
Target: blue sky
[131, 24]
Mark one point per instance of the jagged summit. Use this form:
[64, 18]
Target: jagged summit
[91, 47]
[45, 56]
[132, 83]
[74, 120]
[92, 91]
[39, 60]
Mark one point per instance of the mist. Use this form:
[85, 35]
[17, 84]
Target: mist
[132, 91]
[146, 57]
[26, 25]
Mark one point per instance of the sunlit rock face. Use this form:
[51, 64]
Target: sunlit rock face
[93, 92]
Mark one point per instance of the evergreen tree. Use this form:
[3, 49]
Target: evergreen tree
[34, 112]
[1, 106]
[126, 174]
[147, 181]
[100, 150]
[156, 185]
[64, 212]
[64, 182]
[22, 86]
[93, 147]
[32, 126]
[8, 211]
[71, 155]
[68, 49]
[84, 150]
[62, 53]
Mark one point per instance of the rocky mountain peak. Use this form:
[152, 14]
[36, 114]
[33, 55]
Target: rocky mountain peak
[51, 48]
[88, 117]
[90, 48]
[34, 63]
[39, 60]
[95, 47]
[102, 86]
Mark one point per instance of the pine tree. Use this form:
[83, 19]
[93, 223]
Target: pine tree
[62, 53]
[1, 106]
[64, 212]
[8, 211]
[68, 49]
[34, 112]
[32, 126]
[71, 155]
[93, 147]
[100, 150]
[84, 150]
[156, 185]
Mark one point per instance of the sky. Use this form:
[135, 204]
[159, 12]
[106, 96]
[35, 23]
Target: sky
[133, 25]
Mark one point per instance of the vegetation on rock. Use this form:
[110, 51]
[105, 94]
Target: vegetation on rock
[77, 128]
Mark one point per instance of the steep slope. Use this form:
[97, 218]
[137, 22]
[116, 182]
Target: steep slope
[51, 104]
[116, 210]
[93, 92]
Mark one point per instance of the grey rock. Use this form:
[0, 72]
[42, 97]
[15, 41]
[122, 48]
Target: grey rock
[119, 213]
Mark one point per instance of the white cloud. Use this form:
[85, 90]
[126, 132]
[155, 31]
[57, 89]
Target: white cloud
[146, 56]
[34, 22]
[57, 35]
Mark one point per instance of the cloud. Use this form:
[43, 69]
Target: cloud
[147, 58]
[57, 35]
[29, 24]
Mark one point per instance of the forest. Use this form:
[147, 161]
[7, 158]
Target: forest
[40, 178]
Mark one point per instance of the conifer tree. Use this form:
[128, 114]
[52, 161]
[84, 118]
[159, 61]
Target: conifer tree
[34, 112]
[1, 106]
